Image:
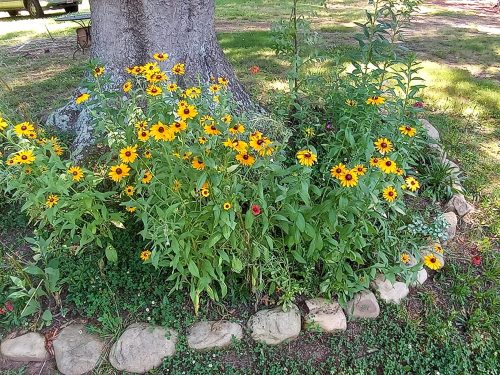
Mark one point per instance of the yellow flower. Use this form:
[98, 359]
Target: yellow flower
[223, 81]
[76, 173]
[127, 86]
[408, 130]
[337, 170]
[192, 92]
[141, 125]
[178, 126]
[390, 194]
[150, 67]
[24, 157]
[82, 98]
[349, 178]
[179, 69]
[307, 158]
[405, 258]
[98, 70]
[227, 206]
[211, 130]
[216, 99]
[214, 88]
[130, 209]
[118, 172]
[237, 128]
[227, 118]
[255, 135]
[153, 90]
[172, 87]
[374, 162]
[24, 129]
[148, 176]
[239, 146]
[204, 192]
[3, 124]
[400, 171]
[383, 145]
[260, 143]
[431, 261]
[11, 161]
[360, 169]
[51, 201]
[143, 135]
[176, 186]
[438, 248]
[187, 112]
[147, 154]
[375, 100]
[160, 132]
[245, 159]
[160, 56]
[350, 102]
[207, 120]
[202, 140]
[128, 154]
[387, 165]
[129, 190]
[196, 164]
[136, 70]
[412, 183]
[145, 255]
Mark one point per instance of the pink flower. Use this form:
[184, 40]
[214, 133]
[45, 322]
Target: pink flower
[2, 311]
[476, 260]
[254, 69]
[418, 105]
[9, 306]
[256, 209]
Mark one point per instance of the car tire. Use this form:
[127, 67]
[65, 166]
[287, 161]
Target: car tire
[71, 9]
[13, 13]
[34, 8]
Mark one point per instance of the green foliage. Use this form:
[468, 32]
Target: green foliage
[439, 179]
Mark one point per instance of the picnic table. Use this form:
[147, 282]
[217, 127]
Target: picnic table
[83, 20]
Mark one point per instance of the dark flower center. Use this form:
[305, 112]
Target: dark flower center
[307, 155]
[338, 170]
[245, 157]
[388, 163]
[433, 260]
[75, 173]
[177, 125]
[23, 127]
[161, 129]
[118, 171]
[24, 157]
[390, 194]
[214, 128]
[186, 111]
[348, 177]
[260, 142]
[383, 145]
[144, 134]
[408, 128]
[128, 153]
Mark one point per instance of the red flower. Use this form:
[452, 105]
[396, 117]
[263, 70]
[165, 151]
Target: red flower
[256, 209]
[9, 306]
[476, 260]
[418, 105]
[2, 311]
[254, 69]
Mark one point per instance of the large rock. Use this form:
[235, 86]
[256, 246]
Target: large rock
[389, 292]
[26, 348]
[459, 205]
[77, 352]
[142, 347]
[363, 305]
[213, 334]
[432, 132]
[452, 220]
[422, 276]
[328, 315]
[275, 325]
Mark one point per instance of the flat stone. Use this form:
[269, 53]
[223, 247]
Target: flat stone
[389, 292]
[363, 305]
[274, 326]
[142, 347]
[328, 315]
[431, 130]
[77, 352]
[26, 348]
[213, 334]
[452, 220]
[422, 276]
[459, 205]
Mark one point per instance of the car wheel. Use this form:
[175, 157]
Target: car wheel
[13, 13]
[34, 9]
[71, 9]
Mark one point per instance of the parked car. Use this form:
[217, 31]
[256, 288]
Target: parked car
[36, 7]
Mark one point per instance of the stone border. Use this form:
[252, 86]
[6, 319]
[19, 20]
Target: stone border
[142, 346]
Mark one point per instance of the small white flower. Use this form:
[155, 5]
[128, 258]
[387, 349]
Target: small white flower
[153, 302]
[147, 309]
[149, 318]
[210, 365]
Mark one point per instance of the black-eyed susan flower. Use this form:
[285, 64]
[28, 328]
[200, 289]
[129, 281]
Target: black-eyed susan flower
[205, 192]
[187, 112]
[360, 169]
[349, 178]
[412, 183]
[405, 258]
[383, 145]
[306, 157]
[150, 67]
[128, 154]
[24, 157]
[227, 206]
[207, 120]
[3, 124]
[176, 186]
[145, 255]
[161, 132]
[147, 177]
[160, 56]
[202, 140]
[82, 98]
[390, 194]
[10, 161]
[211, 130]
[76, 173]
[245, 159]
[438, 248]
[136, 70]
[130, 209]
[408, 130]
[387, 165]
[256, 135]
[337, 170]
[187, 155]
[374, 162]
[399, 171]
[214, 88]
[153, 90]
[237, 129]
[129, 190]
[192, 92]
[98, 71]
[179, 69]
[260, 143]
[309, 132]
[118, 172]
[147, 154]
[223, 81]
[141, 125]
[178, 126]
[227, 118]
[375, 100]
[431, 261]
[24, 129]
[198, 164]
[51, 201]
[350, 102]
[127, 86]
[143, 135]
[172, 87]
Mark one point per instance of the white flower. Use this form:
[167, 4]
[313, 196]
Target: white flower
[147, 309]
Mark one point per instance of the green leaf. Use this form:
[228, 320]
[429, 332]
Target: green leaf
[193, 269]
[47, 316]
[111, 254]
[298, 257]
[301, 222]
[236, 265]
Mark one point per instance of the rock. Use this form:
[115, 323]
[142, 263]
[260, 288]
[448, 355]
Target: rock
[455, 169]
[363, 305]
[77, 352]
[459, 205]
[26, 348]
[328, 315]
[432, 132]
[275, 325]
[389, 292]
[142, 347]
[452, 220]
[422, 276]
[213, 334]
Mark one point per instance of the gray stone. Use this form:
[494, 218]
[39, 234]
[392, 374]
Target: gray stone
[142, 347]
[77, 352]
[213, 334]
[389, 292]
[275, 325]
[26, 348]
[432, 132]
[363, 305]
[422, 276]
[328, 315]
[459, 205]
[452, 220]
